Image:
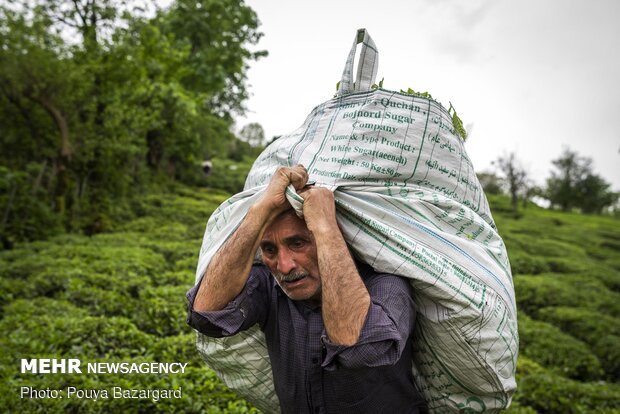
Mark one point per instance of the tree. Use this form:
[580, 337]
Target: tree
[562, 185]
[254, 134]
[90, 120]
[218, 33]
[575, 185]
[594, 194]
[515, 178]
[491, 183]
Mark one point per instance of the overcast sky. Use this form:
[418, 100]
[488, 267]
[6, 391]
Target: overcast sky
[530, 77]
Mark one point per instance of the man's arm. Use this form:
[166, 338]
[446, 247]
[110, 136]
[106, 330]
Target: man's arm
[229, 269]
[345, 299]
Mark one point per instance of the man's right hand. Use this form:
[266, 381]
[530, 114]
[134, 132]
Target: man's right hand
[274, 198]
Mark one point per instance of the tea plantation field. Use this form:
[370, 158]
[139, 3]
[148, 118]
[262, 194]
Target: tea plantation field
[119, 297]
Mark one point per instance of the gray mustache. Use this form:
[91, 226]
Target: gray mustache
[289, 277]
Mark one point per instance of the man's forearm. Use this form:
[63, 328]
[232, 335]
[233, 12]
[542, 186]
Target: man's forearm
[229, 269]
[345, 299]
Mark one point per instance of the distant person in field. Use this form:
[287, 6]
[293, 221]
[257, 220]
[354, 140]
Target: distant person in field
[338, 333]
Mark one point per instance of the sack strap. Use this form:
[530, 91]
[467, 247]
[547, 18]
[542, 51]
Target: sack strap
[367, 66]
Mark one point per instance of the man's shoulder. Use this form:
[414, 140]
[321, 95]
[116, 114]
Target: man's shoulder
[371, 277]
[261, 273]
[259, 268]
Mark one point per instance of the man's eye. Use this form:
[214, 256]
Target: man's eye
[298, 244]
[268, 250]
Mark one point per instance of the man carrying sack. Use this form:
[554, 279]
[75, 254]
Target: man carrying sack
[338, 333]
[394, 194]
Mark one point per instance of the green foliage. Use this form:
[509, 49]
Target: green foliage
[131, 100]
[515, 179]
[67, 331]
[565, 275]
[459, 129]
[548, 289]
[254, 134]
[112, 297]
[575, 185]
[23, 214]
[600, 331]
[491, 183]
[547, 392]
[229, 175]
[410, 91]
[516, 408]
[526, 264]
[163, 311]
[571, 357]
[456, 121]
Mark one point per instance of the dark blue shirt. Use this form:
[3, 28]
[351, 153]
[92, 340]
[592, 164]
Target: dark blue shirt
[313, 375]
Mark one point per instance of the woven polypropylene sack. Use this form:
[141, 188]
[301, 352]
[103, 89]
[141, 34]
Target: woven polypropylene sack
[409, 203]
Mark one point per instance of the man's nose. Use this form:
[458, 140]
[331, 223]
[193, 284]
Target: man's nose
[285, 261]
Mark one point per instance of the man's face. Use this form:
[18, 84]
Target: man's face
[289, 251]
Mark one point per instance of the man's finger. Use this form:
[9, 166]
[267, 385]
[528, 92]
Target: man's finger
[298, 176]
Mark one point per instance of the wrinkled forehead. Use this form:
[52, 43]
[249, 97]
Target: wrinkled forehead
[286, 225]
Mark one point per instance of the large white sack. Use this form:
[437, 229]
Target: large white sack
[409, 203]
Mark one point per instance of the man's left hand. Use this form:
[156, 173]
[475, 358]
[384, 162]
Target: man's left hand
[319, 209]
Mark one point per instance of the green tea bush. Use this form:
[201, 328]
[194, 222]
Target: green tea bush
[609, 354]
[178, 210]
[606, 247]
[229, 175]
[535, 292]
[101, 302]
[42, 326]
[155, 228]
[29, 261]
[550, 393]
[526, 264]
[549, 247]
[614, 263]
[173, 251]
[570, 357]
[124, 261]
[128, 284]
[600, 331]
[516, 408]
[88, 254]
[184, 276]
[163, 311]
[603, 272]
[567, 264]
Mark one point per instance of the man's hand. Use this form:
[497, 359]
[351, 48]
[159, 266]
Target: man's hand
[274, 199]
[319, 209]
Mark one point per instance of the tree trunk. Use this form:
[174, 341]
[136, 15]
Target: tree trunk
[61, 124]
[37, 182]
[155, 148]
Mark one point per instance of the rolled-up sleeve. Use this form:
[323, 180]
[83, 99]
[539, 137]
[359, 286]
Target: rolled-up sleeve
[244, 311]
[388, 325]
